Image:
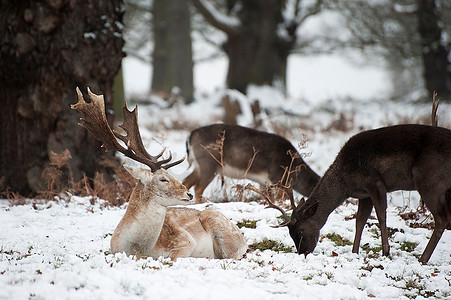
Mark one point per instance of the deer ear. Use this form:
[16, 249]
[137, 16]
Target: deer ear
[143, 175]
[310, 210]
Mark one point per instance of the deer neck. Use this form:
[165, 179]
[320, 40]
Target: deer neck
[143, 220]
[330, 192]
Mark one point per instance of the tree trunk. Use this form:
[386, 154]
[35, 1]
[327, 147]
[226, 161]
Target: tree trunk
[259, 39]
[172, 55]
[257, 52]
[437, 67]
[47, 49]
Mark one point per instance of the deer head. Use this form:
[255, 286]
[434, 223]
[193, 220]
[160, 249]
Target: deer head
[303, 232]
[300, 215]
[167, 190]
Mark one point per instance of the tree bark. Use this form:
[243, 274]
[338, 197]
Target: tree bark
[172, 55]
[437, 67]
[47, 49]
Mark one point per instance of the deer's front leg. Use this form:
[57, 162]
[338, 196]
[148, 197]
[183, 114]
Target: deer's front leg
[379, 197]
[363, 212]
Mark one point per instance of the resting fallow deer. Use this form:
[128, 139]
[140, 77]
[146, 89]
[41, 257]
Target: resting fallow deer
[244, 153]
[149, 227]
[372, 163]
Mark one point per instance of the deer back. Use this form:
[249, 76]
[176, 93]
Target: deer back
[394, 155]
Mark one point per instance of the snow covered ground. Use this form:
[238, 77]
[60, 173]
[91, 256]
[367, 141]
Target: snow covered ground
[61, 249]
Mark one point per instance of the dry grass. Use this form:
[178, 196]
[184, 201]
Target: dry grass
[420, 218]
[60, 183]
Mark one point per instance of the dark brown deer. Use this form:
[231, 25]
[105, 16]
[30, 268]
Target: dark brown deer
[244, 153]
[149, 227]
[372, 163]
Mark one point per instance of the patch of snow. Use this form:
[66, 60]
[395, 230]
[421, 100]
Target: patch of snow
[89, 35]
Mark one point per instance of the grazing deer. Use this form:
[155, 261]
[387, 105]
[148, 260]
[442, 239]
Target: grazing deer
[244, 153]
[149, 227]
[372, 163]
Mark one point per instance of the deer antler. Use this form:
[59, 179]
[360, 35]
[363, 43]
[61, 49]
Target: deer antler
[288, 187]
[95, 121]
[267, 195]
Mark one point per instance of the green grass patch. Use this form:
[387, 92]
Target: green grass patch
[282, 218]
[247, 223]
[309, 277]
[270, 245]
[373, 252]
[408, 246]
[338, 239]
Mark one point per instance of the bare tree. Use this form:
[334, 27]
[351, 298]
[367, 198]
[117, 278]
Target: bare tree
[260, 36]
[158, 32]
[47, 48]
[138, 32]
[410, 35]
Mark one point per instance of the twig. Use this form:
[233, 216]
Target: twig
[435, 103]
[251, 161]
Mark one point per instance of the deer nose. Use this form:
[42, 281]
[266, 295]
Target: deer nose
[190, 196]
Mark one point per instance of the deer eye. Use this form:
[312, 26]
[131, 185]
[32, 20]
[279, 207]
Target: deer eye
[164, 179]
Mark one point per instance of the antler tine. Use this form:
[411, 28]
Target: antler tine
[287, 189]
[270, 203]
[160, 154]
[167, 166]
[134, 140]
[132, 135]
[174, 163]
[95, 121]
[161, 162]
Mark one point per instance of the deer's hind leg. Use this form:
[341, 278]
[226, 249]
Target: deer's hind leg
[435, 191]
[228, 241]
[440, 208]
[200, 184]
[191, 179]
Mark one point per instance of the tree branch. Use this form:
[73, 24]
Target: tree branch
[315, 9]
[221, 21]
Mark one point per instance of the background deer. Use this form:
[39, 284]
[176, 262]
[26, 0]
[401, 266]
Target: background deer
[241, 152]
[372, 163]
[149, 227]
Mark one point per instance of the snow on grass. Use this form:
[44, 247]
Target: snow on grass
[62, 248]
